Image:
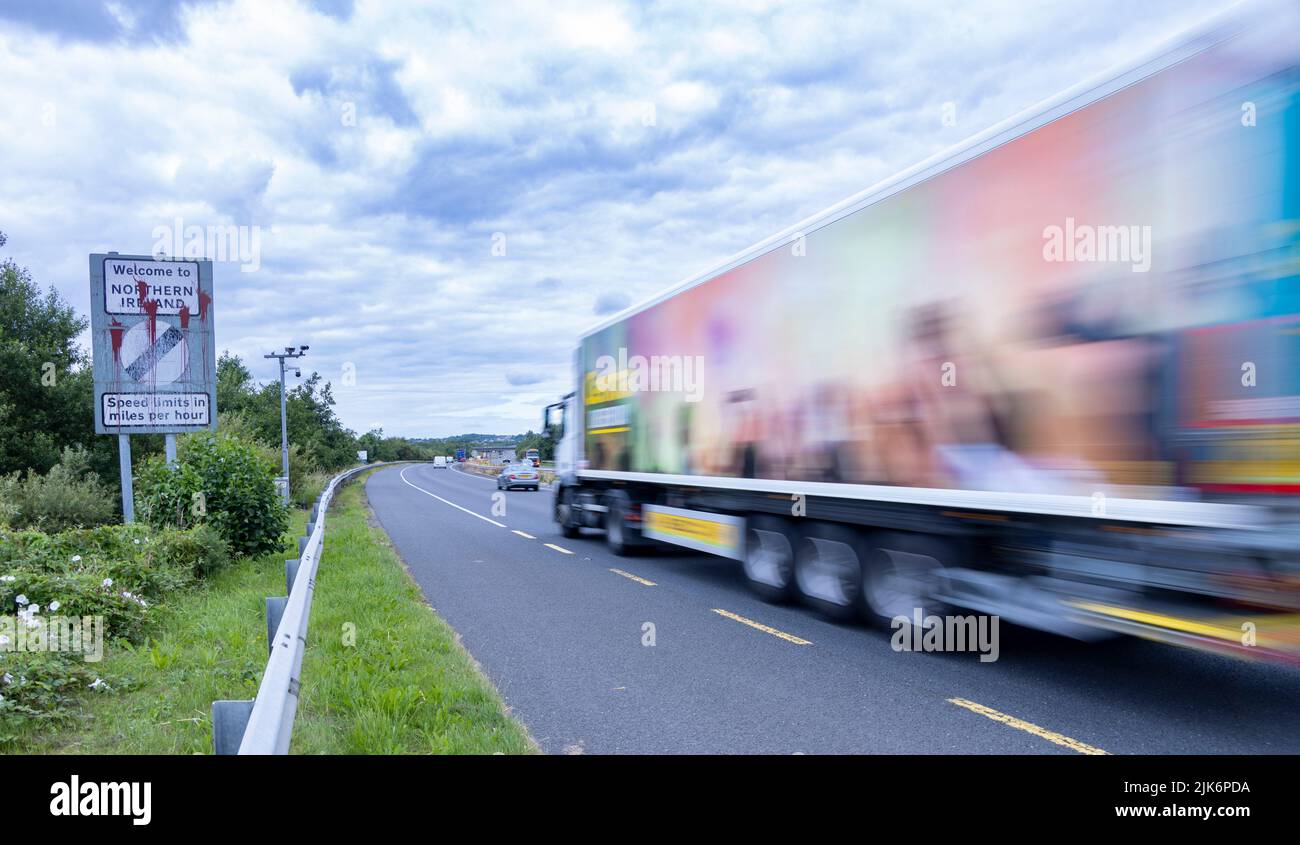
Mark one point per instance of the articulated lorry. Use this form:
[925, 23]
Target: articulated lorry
[1051, 374]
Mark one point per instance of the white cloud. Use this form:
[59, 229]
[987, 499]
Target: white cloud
[524, 119]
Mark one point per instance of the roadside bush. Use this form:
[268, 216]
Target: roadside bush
[223, 481]
[68, 496]
[36, 689]
[200, 550]
[167, 496]
[113, 571]
[120, 573]
[309, 486]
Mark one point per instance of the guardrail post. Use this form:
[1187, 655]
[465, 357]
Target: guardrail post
[311, 527]
[229, 719]
[274, 612]
[290, 575]
[302, 544]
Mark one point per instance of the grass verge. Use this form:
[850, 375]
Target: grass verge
[403, 685]
[384, 674]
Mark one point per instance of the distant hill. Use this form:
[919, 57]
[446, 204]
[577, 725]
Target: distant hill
[475, 438]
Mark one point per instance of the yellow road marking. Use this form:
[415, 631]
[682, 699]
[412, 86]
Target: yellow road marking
[557, 548]
[522, 534]
[1028, 727]
[636, 578]
[764, 628]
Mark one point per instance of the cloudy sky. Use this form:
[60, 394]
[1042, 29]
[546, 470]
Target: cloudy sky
[388, 154]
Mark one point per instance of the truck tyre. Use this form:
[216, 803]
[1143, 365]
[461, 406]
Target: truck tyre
[769, 557]
[904, 572]
[564, 513]
[828, 569]
[617, 536]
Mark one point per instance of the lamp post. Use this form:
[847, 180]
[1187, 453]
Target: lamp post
[289, 352]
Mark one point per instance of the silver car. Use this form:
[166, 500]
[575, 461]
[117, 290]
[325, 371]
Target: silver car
[518, 475]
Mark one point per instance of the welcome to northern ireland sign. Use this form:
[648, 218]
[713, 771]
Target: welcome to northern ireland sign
[153, 345]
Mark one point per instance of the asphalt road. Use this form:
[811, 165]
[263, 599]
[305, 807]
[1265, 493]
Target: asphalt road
[595, 660]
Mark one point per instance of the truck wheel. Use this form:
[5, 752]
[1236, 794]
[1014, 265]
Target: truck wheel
[769, 557]
[564, 513]
[616, 533]
[903, 572]
[828, 569]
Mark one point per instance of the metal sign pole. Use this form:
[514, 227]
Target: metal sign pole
[284, 432]
[169, 441]
[289, 352]
[124, 464]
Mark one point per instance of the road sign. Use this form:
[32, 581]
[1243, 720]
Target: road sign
[153, 345]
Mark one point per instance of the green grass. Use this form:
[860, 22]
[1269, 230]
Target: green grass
[384, 674]
[405, 686]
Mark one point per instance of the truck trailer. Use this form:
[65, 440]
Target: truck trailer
[1051, 374]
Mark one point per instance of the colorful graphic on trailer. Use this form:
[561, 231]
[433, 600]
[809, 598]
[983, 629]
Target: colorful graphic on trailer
[153, 345]
[1108, 302]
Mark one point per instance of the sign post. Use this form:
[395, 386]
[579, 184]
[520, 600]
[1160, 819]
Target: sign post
[124, 467]
[154, 351]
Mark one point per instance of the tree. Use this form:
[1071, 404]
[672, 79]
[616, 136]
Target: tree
[235, 385]
[46, 387]
[309, 413]
[533, 440]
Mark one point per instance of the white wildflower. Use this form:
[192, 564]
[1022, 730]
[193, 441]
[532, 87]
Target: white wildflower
[20, 599]
[54, 605]
[107, 582]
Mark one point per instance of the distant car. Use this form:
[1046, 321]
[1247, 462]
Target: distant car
[518, 475]
[440, 462]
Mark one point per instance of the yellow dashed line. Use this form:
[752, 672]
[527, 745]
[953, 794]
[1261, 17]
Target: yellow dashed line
[764, 628]
[557, 548]
[522, 534]
[1028, 727]
[636, 578]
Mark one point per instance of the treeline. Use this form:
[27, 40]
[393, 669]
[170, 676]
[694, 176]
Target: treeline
[381, 448]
